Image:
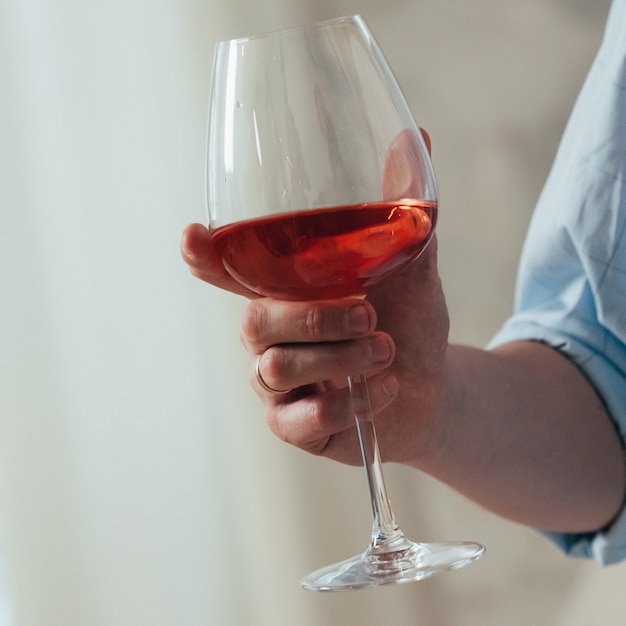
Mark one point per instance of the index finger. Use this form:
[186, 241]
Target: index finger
[198, 252]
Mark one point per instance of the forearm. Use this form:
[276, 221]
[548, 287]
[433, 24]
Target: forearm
[527, 437]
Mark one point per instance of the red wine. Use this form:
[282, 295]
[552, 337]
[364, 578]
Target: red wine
[325, 253]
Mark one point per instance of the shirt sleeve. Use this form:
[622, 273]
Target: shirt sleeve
[571, 289]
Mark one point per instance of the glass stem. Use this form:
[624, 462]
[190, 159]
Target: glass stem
[384, 527]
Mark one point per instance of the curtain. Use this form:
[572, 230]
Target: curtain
[138, 482]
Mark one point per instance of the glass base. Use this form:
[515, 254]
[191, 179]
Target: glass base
[401, 563]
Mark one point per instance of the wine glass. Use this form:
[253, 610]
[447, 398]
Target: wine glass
[319, 185]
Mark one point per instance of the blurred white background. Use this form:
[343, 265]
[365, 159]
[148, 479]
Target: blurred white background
[138, 482]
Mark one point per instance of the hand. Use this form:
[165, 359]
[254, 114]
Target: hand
[397, 336]
[313, 347]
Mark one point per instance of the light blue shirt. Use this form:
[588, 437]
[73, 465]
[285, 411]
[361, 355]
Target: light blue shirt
[571, 290]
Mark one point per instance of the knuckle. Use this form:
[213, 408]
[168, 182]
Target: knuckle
[301, 426]
[313, 413]
[315, 322]
[275, 364]
[253, 322]
[272, 418]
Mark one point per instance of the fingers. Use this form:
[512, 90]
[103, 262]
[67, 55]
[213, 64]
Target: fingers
[323, 423]
[303, 343]
[198, 252]
[289, 366]
[267, 322]
[195, 248]
[311, 348]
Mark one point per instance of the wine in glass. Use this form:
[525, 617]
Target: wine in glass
[319, 186]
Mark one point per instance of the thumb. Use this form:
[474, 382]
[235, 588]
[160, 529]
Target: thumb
[406, 170]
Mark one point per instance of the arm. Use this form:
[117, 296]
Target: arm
[529, 438]
[518, 430]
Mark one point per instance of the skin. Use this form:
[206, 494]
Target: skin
[518, 430]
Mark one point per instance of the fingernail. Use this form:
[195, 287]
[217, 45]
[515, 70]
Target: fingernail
[380, 351]
[184, 249]
[358, 319]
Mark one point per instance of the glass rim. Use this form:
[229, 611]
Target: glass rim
[356, 19]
